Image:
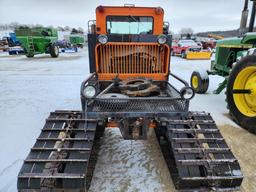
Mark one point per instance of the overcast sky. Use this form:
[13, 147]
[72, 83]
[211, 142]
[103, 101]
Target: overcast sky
[201, 15]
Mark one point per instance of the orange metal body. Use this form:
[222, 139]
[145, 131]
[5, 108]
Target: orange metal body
[103, 11]
[151, 60]
[112, 124]
[131, 59]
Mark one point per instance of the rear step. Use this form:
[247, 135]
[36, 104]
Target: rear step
[64, 155]
[197, 155]
[54, 176]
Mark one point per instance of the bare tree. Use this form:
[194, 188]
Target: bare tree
[14, 25]
[80, 30]
[171, 32]
[188, 30]
[74, 31]
[67, 28]
[50, 26]
[39, 25]
[59, 28]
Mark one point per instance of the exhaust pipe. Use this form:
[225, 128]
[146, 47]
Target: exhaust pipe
[252, 20]
[244, 18]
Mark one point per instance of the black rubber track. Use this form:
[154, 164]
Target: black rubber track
[184, 143]
[64, 155]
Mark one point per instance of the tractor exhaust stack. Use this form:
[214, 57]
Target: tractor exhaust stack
[244, 18]
[252, 20]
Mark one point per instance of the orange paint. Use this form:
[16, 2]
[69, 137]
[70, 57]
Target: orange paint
[157, 13]
[124, 64]
[112, 124]
[152, 125]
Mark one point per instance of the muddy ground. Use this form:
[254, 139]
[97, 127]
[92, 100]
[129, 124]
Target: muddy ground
[243, 145]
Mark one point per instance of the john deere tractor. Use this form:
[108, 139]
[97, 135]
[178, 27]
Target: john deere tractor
[130, 87]
[235, 60]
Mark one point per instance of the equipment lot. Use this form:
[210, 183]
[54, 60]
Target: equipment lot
[31, 88]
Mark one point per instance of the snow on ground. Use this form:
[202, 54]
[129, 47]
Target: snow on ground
[31, 88]
[215, 104]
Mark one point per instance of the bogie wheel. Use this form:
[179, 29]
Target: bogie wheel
[241, 93]
[199, 82]
[54, 50]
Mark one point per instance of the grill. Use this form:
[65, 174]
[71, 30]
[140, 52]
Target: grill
[143, 59]
[173, 103]
[152, 105]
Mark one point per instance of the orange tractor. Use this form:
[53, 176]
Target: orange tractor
[129, 87]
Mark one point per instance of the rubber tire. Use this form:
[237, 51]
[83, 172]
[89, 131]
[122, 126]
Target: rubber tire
[246, 122]
[183, 55]
[53, 52]
[30, 56]
[203, 82]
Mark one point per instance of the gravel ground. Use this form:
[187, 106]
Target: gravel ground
[31, 88]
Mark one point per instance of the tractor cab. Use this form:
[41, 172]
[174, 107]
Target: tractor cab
[129, 42]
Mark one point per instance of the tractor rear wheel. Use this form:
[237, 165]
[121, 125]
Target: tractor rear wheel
[241, 93]
[54, 50]
[199, 82]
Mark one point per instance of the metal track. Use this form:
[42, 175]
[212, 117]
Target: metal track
[197, 155]
[64, 155]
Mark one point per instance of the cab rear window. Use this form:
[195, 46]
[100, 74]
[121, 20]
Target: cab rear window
[129, 25]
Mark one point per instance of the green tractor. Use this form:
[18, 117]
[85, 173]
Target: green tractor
[38, 40]
[235, 60]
